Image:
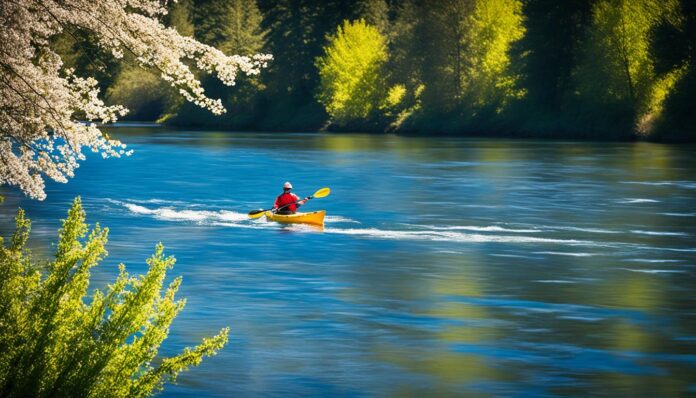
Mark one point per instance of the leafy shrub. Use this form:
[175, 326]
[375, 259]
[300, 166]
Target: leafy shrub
[352, 72]
[54, 342]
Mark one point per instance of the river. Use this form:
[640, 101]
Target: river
[447, 266]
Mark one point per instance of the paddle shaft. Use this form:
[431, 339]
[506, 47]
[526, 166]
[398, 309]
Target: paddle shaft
[289, 204]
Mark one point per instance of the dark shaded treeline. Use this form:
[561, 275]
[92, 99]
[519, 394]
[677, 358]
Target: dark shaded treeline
[599, 69]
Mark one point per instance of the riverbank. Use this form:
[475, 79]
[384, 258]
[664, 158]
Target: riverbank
[497, 132]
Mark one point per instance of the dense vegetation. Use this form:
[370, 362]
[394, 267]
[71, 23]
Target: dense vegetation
[54, 342]
[605, 69]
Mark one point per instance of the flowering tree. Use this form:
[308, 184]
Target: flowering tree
[42, 103]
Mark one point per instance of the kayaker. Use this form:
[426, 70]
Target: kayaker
[287, 198]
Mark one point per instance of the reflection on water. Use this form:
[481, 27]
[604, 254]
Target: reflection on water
[446, 267]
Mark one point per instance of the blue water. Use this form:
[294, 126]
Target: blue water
[446, 266]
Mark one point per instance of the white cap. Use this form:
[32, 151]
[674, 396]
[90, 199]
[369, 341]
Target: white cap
[287, 185]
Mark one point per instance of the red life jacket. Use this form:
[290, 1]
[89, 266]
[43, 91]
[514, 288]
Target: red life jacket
[284, 199]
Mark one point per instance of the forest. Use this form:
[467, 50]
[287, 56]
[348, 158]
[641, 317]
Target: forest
[588, 69]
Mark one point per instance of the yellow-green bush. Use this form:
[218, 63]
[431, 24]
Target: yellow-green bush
[352, 75]
[55, 342]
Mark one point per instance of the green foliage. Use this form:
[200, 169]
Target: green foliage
[468, 44]
[297, 31]
[235, 28]
[54, 342]
[144, 94]
[244, 33]
[494, 26]
[459, 51]
[375, 13]
[441, 34]
[653, 107]
[546, 55]
[545, 59]
[211, 24]
[406, 54]
[351, 72]
[405, 59]
[610, 69]
[232, 26]
[395, 96]
[180, 17]
[79, 50]
[618, 67]
[677, 122]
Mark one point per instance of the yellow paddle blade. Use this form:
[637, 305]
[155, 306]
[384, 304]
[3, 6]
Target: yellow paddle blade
[322, 193]
[256, 213]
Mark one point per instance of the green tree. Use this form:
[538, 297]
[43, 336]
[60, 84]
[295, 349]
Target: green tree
[494, 26]
[407, 54]
[444, 31]
[180, 17]
[79, 50]
[211, 21]
[141, 90]
[540, 67]
[375, 13]
[678, 123]
[235, 28]
[405, 57]
[232, 26]
[547, 54]
[55, 342]
[297, 31]
[545, 59]
[618, 68]
[352, 72]
[144, 93]
[244, 32]
[463, 59]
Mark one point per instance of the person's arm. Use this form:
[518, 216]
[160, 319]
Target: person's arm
[298, 201]
[301, 202]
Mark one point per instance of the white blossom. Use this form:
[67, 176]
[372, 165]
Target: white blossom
[41, 102]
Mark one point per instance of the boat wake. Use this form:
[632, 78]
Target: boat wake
[637, 200]
[658, 233]
[449, 236]
[193, 214]
[678, 184]
[339, 225]
[474, 228]
[168, 213]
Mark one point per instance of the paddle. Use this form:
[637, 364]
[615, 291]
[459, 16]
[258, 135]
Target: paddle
[323, 192]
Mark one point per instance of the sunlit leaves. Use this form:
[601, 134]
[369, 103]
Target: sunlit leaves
[395, 95]
[618, 65]
[495, 25]
[351, 72]
[54, 341]
[466, 45]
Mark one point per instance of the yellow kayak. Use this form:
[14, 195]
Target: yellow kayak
[314, 218]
